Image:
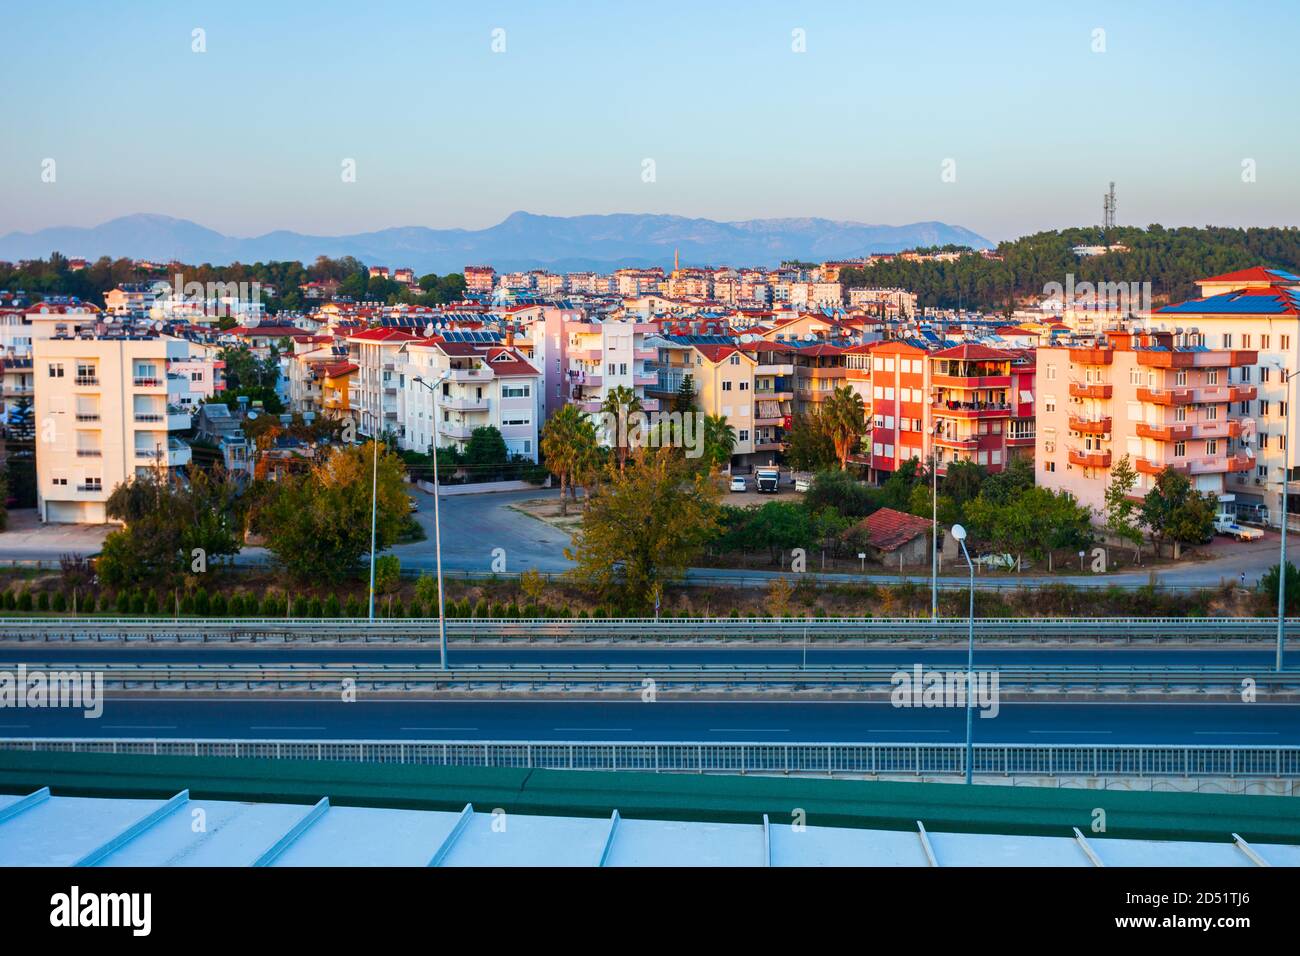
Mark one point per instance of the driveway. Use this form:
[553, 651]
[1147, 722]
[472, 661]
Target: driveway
[28, 540]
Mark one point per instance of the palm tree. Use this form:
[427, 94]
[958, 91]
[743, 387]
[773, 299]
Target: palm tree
[568, 445]
[621, 403]
[845, 417]
[719, 440]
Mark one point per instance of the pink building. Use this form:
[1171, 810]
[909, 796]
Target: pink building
[1160, 401]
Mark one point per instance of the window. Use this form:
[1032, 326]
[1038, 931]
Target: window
[1245, 340]
[1212, 377]
[514, 391]
[1181, 377]
[1263, 409]
[1286, 342]
[1049, 466]
[56, 370]
[516, 419]
[1211, 447]
[744, 386]
[1180, 449]
[1051, 373]
[726, 386]
[1263, 341]
[1049, 403]
[1180, 413]
[1227, 340]
[1263, 373]
[742, 434]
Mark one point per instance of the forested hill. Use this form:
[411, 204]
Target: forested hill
[1170, 259]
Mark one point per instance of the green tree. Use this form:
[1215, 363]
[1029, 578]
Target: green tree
[719, 441]
[569, 445]
[643, 526]
[388, 573]
[809, 445]
[845, 417]
[684, 398]
[1268, 584]
[619, 407]
[317, 524]
[1123, 514]
[1173, 511]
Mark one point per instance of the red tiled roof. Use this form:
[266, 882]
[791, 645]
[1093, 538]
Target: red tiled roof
[889, 530]
[970, 350]
[715, 352]
[1253, 274]
[384, 335]
[505, 361]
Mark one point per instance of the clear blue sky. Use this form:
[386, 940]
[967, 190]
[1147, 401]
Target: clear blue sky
[249, 136]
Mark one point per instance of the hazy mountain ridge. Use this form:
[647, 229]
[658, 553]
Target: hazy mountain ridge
[521, 241]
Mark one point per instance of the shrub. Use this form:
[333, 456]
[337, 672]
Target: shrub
[354, 608]
[123, 604]
[152, 602]
[202, 603]
[11, 601]
[60, 603]
[315, 608]
[482, 609]
[187, 604]
[43, 601]
[332, 606]
[137, 602]
[300, 606]
[218, 605]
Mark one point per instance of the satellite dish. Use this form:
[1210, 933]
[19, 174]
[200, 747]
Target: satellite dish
[428, 330]
[252, 415]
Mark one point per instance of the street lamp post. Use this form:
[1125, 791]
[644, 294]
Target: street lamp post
[437, 525]
[374, 511]
[959, 533]
[1286, 477]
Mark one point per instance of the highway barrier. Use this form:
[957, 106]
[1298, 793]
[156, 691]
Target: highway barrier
[839, 759]
[1187, 631]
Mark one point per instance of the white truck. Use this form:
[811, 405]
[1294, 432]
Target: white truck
[1227, 524]
[767, 480]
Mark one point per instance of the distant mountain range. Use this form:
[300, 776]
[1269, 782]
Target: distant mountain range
[521, 241]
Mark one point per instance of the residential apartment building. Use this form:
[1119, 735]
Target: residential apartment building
[1145, 394]
[486, 385]
[605, 355]
[376, 388]
[1254, 311]
[105, 411]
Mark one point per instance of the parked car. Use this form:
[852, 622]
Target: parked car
[769, 480]
[738, 483]
[1227, 524]
[802, 483]
[412, 504]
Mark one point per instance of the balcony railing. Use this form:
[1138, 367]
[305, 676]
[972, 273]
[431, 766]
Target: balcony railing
[1174, 432]
[1091, 389]
[90, 453]
[87, 380]
[1090, 426]
[147, 381]
[1165, 396]
[87, 416]
[1089, 459]
[90, 487]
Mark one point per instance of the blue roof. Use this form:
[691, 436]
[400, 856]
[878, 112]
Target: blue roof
[1238, 303]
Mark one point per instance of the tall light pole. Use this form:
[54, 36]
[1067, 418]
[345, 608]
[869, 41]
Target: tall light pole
[959, 533]
[374, 511]
[936, 427]
[1286, 478]
[437, 524]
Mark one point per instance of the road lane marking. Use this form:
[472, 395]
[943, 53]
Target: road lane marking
[612, 730]
[252, 727]
[139, 726]
[891, 730]
[1072, 731]
[1237, 733]
[747, 730]
[437, 728]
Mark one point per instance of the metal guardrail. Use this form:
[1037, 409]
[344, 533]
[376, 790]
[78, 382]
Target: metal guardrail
[857, 759]
[534, 677]
[586, 630]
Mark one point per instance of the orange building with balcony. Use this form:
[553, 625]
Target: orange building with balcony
[1160, 399]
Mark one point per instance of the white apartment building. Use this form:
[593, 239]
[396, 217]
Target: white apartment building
[105, 411]
[376, 390]
[605, 355]
[486, 385]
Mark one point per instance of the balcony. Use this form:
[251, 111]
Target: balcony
[642, 380]
[1217, 429]
[86, 380]
[87, 416]
[1147, 466]
[1177, 432]
[1091, 390]
[464, 404]
[972, 410]
[179, 421]
[1087, 426]
[469, 374]
[1199, 358]
[972, 381]
[147, 381]
[453, 430]
[92, 489]
[1092, 356]
[149, 417]
[90, 453]
[956, 442]
[1242, 393]
[1089, 459]
[1021, 440]
[774, 370]
[1165, 396]
[173, 455]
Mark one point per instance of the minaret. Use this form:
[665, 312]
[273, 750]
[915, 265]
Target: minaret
[676, 262]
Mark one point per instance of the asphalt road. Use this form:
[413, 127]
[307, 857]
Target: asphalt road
[736, 654]
[1257, 724]
[474, 527]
